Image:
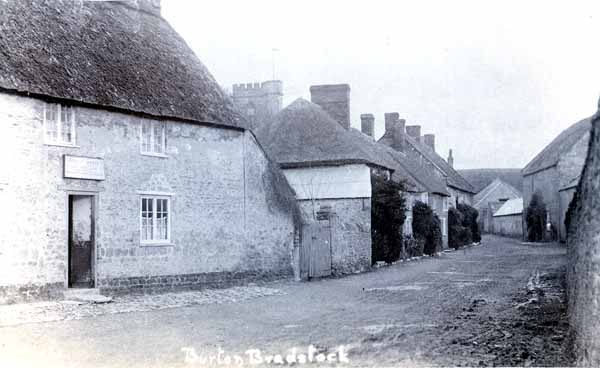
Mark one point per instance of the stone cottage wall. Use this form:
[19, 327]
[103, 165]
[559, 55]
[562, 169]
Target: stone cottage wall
[511, 225]
[227, 223]
[350, 232]
[584, 259]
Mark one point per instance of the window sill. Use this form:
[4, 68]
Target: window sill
[58, 144]
[165, 244]
[161, 155]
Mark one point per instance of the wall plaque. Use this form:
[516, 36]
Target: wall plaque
[78, 167]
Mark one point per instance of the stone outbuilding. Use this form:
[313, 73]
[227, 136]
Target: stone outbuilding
[126, 166]
[555, 171]
[497, 191]
[507, 220]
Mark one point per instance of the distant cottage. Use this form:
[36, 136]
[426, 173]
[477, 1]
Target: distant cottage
[555, 173]
[128, 167]
[490, 199]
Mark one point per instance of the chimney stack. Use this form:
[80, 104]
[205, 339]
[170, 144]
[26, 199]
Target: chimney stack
[394, 128]
[414, 131]
[429, 140]
[367, 124]
[450, 159]
[335, 100]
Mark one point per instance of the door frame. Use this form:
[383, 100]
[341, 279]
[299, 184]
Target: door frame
[95, 198]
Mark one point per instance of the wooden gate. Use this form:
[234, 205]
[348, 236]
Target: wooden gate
[315, 256]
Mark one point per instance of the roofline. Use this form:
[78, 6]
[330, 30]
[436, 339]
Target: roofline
[525, 173]
[459, 188]
[508, 214]
[293, 165]
[567, 187]
[121, 110]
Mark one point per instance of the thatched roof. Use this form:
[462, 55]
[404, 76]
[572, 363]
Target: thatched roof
[303, 134]
[558, 147]
[454, 179]
[111, 54]
[481, 178]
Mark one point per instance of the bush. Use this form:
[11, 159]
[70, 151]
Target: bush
[426, 227]
[463, 228]
[388, 213]
[535, 217]
[470, 215]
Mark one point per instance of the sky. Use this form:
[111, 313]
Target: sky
[495, 81]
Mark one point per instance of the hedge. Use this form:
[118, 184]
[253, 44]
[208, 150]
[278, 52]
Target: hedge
[388, 213]
[535, 218]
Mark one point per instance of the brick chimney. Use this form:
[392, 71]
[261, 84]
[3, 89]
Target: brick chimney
[414, 131]
[450, 158]
[394, 128]
[367, 124]
[335, 99]
[429, 140]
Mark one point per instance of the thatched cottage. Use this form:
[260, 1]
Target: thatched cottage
[488, 200]
[330, 170]
[421, 149]
[125, 165]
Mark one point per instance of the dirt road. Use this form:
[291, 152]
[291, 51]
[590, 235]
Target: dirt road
[501, 303]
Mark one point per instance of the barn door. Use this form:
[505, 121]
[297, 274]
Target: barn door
[81, 241]
[316, 246]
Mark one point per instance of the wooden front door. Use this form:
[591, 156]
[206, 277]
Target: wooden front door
[81, 241]
[316, 244]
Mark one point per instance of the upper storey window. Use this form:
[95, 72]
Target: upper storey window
[59, 124]
[154, 140]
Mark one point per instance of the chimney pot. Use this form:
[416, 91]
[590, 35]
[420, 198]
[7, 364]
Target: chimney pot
[367, 124]
[429, 140]
[335, 100]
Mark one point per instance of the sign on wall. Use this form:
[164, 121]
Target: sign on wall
[77, 167]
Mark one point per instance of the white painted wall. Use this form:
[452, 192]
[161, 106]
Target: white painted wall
[346, 181]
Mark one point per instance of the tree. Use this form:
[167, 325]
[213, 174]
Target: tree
[388, 213]
[535, 217]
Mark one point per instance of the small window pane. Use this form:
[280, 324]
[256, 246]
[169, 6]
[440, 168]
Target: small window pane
[158, 137]
[146, 136]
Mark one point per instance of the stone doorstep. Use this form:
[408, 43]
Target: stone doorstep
[91, 296]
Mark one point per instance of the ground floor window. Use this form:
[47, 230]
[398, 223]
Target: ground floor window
[155, 220]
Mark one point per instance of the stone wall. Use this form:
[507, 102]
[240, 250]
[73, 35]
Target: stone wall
[226, 216]
[351, 232]
[584, 259]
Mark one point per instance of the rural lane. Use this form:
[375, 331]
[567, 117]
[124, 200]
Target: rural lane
[469, 307]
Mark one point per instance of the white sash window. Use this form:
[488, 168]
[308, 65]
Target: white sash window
[153, 138]
[155, 220]
[59, 124]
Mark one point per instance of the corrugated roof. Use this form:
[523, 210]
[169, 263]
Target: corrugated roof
[107, 53]
[550, 155]
[511, 207]
[481, 178]
[303, 134]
